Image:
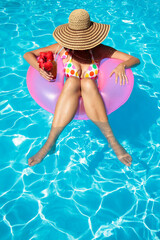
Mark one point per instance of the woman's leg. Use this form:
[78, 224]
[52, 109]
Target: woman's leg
[95, 110]
[65, 110]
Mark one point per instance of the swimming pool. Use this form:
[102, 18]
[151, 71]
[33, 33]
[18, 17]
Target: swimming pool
[82, 191]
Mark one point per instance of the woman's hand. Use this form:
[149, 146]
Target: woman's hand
[120, 72]
[46, 75]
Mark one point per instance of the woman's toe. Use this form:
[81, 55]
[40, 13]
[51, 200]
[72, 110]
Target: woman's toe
[128, 162]
[126, 159]
[30, 160]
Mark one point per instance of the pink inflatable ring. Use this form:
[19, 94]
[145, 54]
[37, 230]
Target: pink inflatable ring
[114, 95]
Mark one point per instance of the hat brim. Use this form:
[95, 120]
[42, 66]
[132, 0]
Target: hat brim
[81, 39]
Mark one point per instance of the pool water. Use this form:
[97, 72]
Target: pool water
[82, 191]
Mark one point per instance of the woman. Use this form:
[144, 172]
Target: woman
[79, 45]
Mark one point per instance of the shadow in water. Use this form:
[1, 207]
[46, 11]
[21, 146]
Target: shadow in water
[136, 116]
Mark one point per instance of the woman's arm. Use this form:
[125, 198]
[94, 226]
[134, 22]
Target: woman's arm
[31, 58]
[119, 71]
[110, 52]
[128, 61]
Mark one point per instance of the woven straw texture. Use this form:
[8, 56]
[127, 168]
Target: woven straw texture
[80, 33]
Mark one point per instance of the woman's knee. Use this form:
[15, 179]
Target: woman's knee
[88, 85]
[72, 84]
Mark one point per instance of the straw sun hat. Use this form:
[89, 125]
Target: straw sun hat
[80, 33]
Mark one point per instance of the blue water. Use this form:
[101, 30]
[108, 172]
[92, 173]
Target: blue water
[82, 191]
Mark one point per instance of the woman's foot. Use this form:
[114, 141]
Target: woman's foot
[126, 159]
[48, 147]
[120, 152]
[38, 157]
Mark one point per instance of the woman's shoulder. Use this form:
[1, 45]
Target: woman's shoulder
[54, 48]
[103, 51]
